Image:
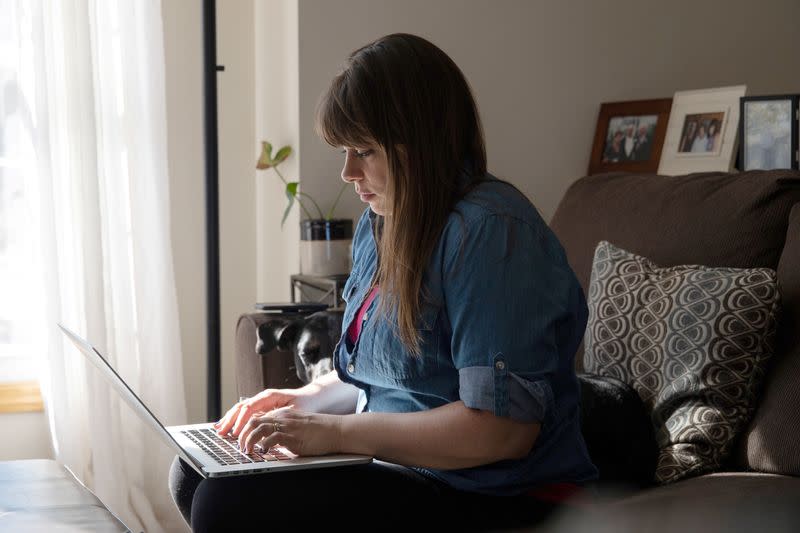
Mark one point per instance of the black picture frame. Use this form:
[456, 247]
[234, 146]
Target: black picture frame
[794, 122]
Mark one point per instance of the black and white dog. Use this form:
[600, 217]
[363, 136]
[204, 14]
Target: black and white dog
[310, 338]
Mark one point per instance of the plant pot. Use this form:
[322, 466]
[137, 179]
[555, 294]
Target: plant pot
[325, 246]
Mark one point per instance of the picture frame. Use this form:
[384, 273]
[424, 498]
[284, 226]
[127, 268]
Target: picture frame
[702, 131]
[768, 132]
[612, 148]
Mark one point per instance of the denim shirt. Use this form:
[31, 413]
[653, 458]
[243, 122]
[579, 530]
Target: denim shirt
[503, 318]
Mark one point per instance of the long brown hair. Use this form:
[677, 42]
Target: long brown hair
[404, 94]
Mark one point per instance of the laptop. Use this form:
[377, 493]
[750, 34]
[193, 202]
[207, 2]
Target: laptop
[199, 445]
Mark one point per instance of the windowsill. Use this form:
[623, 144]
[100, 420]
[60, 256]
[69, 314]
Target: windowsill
[20, 397]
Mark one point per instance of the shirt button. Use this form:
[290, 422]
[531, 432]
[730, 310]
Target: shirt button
[351, 368]
[499, 365]
[364, 318]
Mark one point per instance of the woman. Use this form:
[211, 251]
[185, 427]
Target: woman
[712, 145]
[614, 150]
[700, 143]
[688, 137]
[455, 366]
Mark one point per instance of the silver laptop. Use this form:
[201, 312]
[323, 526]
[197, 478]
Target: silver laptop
[199, 445]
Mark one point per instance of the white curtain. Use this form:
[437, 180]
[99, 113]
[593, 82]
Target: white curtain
[91, 82]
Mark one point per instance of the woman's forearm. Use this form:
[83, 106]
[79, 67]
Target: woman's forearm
[328, 394]
[448, 437]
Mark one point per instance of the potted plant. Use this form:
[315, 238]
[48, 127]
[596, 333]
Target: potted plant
[324, 241]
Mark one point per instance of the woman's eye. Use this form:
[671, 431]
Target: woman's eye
[359, 153]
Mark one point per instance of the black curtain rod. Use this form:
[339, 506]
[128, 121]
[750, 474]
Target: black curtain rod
[210, 69]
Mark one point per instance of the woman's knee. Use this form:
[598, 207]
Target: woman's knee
[183, 482]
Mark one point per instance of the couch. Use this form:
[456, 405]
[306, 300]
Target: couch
[42, 495]
[749, 219]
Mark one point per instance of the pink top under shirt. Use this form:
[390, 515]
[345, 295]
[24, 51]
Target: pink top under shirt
[355, 326]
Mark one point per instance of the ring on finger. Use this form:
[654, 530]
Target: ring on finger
[276, 427]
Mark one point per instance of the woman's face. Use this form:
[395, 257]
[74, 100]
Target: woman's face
[367, 168]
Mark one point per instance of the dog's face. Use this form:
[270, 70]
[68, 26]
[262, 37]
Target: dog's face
[313, 348]
[311, 339]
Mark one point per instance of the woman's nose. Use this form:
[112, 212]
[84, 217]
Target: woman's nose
[351, 170]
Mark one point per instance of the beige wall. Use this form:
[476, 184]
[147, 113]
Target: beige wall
[25, 436]
[277, 121]
[236, 100]
[540, 69]
[237, 156]
[183, 48]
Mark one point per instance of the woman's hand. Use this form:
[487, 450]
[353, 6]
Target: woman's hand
[267, 400]
[300, 432]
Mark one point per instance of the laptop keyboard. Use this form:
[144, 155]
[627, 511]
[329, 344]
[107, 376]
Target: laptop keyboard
[225, 450]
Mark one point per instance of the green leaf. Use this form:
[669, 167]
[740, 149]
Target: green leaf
[288, 208]
[282, 154]
[291, 193]
[265, 161]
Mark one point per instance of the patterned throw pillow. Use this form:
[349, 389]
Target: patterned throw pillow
[693, 342]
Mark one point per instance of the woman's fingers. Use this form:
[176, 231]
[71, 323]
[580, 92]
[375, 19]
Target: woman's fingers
[271, 440]
[245, 413]
[248, 428]
[263, 429]
[225, 424]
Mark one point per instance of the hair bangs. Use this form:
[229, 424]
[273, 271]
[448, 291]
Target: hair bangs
[337, 120]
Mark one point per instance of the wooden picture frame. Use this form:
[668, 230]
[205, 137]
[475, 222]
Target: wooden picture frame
[766, 142]
[702, 131]
[647, 118]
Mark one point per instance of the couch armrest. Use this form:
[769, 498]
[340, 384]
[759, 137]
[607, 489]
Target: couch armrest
[255, 372]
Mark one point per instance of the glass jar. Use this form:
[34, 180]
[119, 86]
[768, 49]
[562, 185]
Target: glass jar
[325, 246]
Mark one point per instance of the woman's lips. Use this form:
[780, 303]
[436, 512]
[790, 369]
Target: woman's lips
[365, 197]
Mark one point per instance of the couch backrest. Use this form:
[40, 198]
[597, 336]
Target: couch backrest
[713, 219]
[772, 442]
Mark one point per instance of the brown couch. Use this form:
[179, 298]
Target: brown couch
[749, 219]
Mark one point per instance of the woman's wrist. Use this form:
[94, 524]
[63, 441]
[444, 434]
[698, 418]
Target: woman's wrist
[326, 394]
[305, 396]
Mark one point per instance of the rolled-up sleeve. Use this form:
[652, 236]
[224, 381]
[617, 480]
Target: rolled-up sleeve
[507, 294]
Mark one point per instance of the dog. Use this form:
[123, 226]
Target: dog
[311, 339]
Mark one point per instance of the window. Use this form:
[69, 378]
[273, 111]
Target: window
[20, 294]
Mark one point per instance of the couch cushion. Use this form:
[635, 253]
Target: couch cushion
[713, 219]
[772, 442]
[693, 341]
[722, 502]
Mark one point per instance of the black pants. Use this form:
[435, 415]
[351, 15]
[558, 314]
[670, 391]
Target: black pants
[376, 496]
